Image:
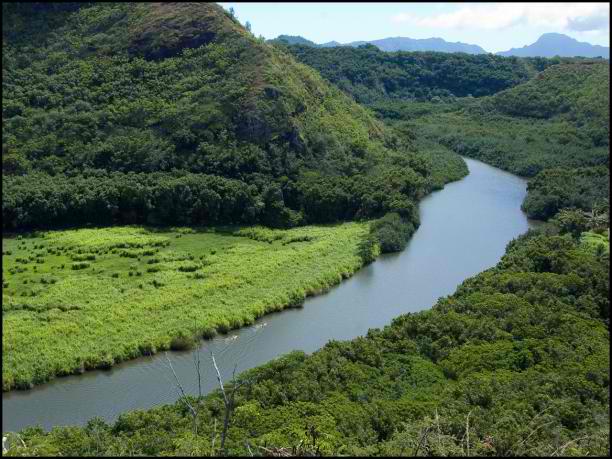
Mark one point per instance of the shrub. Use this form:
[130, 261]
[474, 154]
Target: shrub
[155, 283]
[392, 232]
[188, 268]
[80, 265]
[83, 257]
[181, 342]
[368, 249]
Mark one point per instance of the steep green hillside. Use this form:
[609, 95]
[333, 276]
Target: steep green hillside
[515, 363]
[575, 92]
[371, 75]
[182, 96]
[536, 113]
[554, 128]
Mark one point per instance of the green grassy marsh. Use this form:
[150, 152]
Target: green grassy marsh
[82, 299]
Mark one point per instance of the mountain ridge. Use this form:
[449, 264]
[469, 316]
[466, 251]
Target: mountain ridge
[547, 45]
[557, 44]
[391, 44]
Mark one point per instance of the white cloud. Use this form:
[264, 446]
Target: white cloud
[571, 16]
[588, 23]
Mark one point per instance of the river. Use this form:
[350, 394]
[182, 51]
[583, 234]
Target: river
[464, 230]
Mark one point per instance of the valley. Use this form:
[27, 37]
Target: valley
[219, 244]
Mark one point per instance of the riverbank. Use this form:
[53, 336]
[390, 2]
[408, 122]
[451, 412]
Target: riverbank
[478, 215]
[84, 299]
[484, 360]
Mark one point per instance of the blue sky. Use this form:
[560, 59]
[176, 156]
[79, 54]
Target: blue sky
[493, 26]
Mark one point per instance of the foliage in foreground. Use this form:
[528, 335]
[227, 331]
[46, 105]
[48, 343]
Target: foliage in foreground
[514, 363]
[82, 299]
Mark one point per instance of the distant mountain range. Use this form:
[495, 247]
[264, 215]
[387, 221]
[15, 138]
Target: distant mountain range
[395, 44]
[556, 44]
[548, 45]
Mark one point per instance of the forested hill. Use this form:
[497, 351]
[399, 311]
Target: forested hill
[535, 117]
[573, 91]
[369, 74]
[173, 112]
[554, 128]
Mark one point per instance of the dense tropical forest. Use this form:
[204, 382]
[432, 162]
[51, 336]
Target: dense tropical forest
[106, 120]
[537, 117]
[171, 161]
[516, 362]
[370, 75]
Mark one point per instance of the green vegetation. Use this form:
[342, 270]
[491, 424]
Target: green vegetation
[387, 234]
[567, 169]
[538, 117]
[370, 75]
[561, 140]
[392, 232]
[142, 291]
[174, 114]
[554, 128]
[599, 243]
[112, 111]
[515, 363]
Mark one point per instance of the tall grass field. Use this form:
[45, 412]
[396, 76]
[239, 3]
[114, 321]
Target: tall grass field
[83, 299]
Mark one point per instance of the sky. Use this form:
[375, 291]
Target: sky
[493, 26]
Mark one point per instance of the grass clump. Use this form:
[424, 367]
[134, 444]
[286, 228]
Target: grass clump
[80, 265]
[83, 257]
[188, 268]
[261, 233]
[182, 342]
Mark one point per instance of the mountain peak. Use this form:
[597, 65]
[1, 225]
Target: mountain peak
[557, 44]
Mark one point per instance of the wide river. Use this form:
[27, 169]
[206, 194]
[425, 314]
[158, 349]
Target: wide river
[464, 230]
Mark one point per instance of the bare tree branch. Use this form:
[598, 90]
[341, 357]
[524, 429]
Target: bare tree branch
[184, 398]
[219, 377]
